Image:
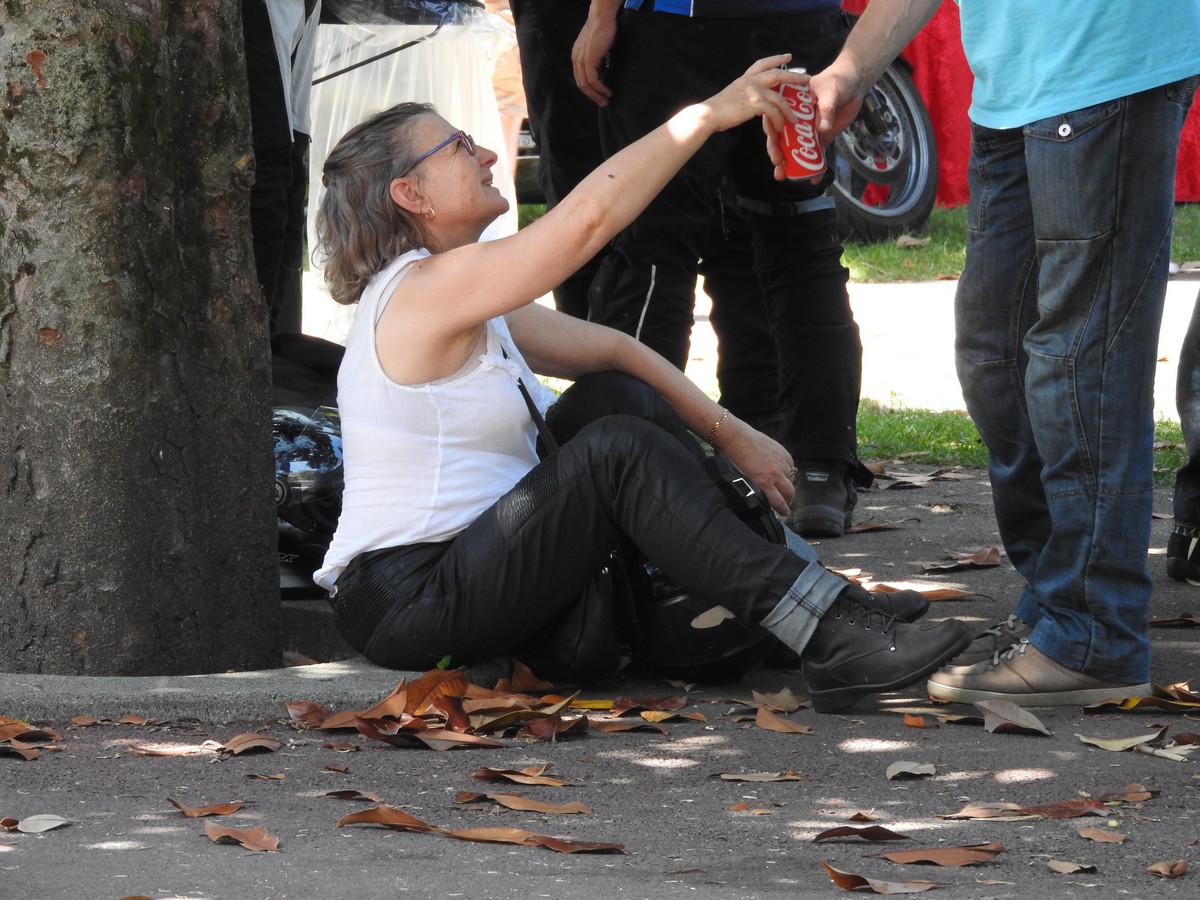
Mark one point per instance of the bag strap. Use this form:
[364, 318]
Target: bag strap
[544, 432]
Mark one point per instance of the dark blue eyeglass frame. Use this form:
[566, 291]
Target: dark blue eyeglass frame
[464, 140]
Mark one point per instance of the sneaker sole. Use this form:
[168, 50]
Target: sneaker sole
[946, 694]
[842, 698]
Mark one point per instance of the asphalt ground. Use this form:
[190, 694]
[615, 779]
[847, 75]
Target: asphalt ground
[668, 796]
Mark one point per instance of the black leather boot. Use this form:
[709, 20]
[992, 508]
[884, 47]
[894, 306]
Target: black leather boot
[904, 606]
[857, 650]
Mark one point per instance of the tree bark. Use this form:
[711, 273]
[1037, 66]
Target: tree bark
[137, 526]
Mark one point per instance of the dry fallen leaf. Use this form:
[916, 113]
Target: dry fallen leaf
[1121, 744]
[1000, 716]
[912, 720]
[769, 721]
[1131, 793]
[532, 775]
[40, 823]
[388, 817]
[213, 809]
[524, 804]
[952, 857]
[354, 795]
[848, 881]
[867, 833]
[907, 769]
[1168, 868]
[1004, 811]
[783, 701]
[244, 743]
[1100, 835]
[760, 776]
[1064, 867]
[1067, 809]
[256, 839]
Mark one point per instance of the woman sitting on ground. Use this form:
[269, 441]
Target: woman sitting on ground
[454, 539]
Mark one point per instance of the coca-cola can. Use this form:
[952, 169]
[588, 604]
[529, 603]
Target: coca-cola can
[803, 156]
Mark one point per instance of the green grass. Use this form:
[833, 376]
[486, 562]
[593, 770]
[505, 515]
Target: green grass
[941, 251]
[951, 439]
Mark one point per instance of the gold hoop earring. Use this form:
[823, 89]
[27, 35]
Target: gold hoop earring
[429, 214]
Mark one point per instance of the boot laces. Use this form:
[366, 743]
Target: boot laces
[869, 617]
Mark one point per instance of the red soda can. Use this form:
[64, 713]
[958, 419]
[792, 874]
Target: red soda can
[803, 156]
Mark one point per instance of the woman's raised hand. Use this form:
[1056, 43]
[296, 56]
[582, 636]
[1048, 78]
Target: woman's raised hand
[754, 94]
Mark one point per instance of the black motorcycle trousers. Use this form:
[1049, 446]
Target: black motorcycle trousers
[530, 556]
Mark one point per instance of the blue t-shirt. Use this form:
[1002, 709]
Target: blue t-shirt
[1038, 58]
[734, 9]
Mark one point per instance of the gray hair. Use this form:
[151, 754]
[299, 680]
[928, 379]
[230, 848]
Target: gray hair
[359, 229]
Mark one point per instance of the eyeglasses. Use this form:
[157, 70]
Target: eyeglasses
[463, 140]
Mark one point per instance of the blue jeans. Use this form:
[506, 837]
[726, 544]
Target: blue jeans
[1057, 317]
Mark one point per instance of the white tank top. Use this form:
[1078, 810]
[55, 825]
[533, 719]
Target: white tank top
[423, 461]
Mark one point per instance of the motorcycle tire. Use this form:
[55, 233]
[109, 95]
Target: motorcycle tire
[885, 164]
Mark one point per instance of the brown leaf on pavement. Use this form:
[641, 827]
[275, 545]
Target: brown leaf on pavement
[525, 804]
[952, 857]
[245, 743]
[26, 733]
[529, 839]
[532, 775]
[1190, 620]
[1100, 835]
[16, 748]
[307, 714]
[354, 795]
[783, 701]
[387, 817]
[848, 881]
[1004, 716]
[1008, 811]
[624, 705]
[769, 721]
[879, 524]
[984, 557]
[1119, 745]
[1131, 793]
[908, 769]
[433, 684]
[256, 839]
[612, 726]
[1067, 809]
[912, 720]
[212, 809]
[760, 776]
[40, 823]
[1064, 867]
[871, 833]
[1168, 868]
[523, 680]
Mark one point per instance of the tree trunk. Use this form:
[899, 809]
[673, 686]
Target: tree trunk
[137, 526]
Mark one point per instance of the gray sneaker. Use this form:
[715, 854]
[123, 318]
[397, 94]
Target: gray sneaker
[993, 641]
[1027, 677]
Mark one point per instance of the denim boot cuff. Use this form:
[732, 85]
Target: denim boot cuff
[795, 617]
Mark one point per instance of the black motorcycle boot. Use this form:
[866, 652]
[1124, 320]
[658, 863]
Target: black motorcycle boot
[824, 499]
[857, 650]
[903, 606]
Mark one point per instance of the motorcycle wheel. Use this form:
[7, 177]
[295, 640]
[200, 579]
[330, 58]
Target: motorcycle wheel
[885, 164]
